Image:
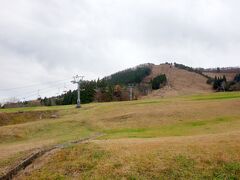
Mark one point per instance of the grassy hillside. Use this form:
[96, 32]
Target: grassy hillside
[188, 137]
[179, 81]
[229, 75]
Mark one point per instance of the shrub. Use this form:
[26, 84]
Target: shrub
[159, 81]
[237, 78]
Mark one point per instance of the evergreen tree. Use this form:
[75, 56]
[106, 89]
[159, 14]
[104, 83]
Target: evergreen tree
[237, 78]
[159, 81]
[224, 78]
[129, 76]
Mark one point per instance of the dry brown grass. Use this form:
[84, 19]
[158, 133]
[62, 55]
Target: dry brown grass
[196, 157]
[152, 113]
[133, 154]
[229, 76]
[200, 129]
[23, 117]
[180, 82]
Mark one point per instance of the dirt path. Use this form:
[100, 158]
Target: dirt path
[39, 158]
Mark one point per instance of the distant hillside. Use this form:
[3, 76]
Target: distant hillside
[228, 72]
[166, 79]
[180, 81]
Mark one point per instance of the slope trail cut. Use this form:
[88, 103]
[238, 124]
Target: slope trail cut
[31, 162]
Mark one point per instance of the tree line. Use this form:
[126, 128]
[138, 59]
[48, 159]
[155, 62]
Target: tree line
[221, 83]
[129, 76]
[218, 83]
[111, 88]
[190, 69]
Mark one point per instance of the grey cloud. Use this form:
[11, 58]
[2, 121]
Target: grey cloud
[58, 38]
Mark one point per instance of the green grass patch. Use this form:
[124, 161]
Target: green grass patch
[150, 102]
[217, 96]
[59, 131]
[184, 167]
[227, 170]
[177, 129]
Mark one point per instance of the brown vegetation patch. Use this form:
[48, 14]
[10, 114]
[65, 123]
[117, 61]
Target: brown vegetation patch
[179, 81]
[22, 117]
[190, 157]
[229, 75]
[121, 118]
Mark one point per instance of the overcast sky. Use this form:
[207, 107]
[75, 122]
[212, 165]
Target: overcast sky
[46, 40]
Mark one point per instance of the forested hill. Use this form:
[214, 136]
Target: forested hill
[130, 76]
[168, 79]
